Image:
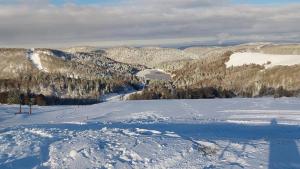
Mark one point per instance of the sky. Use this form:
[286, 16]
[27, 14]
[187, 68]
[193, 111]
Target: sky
[85, 2]
[266, 1]
[63, 23]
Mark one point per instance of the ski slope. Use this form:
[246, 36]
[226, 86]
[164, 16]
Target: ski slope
[34, 57]
[217, 133]
[267, 60]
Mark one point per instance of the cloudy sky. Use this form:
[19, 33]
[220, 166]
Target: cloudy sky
[61, 23]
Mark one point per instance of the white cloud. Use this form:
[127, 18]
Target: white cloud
[40, 24]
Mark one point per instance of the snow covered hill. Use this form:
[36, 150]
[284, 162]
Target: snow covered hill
[267, 60]
[219, 133]
[247, 70]
[35, 58]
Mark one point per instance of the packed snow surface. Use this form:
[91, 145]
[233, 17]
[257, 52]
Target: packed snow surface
[218, 133]
[268, 60]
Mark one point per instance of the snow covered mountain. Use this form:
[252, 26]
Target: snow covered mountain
[251, 69]
[79, 64]
[64, 75]
[254, 69]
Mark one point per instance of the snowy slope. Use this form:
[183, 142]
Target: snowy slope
[218, 133]
[268, 60]
[154, 74]
[35, 58]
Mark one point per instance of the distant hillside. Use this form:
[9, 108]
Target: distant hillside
[148, 56]
[250, 73]
[87, 65]
[254, 69]
[198, 67]
[64, 75]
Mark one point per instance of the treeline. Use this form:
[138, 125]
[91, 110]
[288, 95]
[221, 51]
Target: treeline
[170, 92]
[59, 89]
[14, 97]
[167, 91]
[278, 92]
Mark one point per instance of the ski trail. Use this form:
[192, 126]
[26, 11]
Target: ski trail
[34, 57]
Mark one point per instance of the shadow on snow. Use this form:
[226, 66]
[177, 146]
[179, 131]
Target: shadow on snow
[282, 138]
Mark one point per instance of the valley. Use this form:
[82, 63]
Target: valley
[247, 70]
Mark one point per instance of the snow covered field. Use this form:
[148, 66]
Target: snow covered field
[268, 60]
[217, 133]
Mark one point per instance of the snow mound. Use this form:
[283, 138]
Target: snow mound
[145, 131]
[171, 134]
[208, 148]
[267, 60]
[39, 132]
[73, 154]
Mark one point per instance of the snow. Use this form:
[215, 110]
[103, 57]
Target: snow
[216, 133]
[154, 74]
[171, 134]
[39, 132]
[73, 154]
[113, 97]
[206, 144]
[268, 60]
[35, 58]
[145, 131]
